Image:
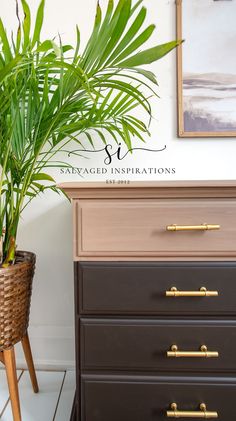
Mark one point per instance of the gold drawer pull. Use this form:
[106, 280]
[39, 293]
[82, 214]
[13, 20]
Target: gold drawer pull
[203, 353]
[202, 413]
[202, 227]
[203, 292]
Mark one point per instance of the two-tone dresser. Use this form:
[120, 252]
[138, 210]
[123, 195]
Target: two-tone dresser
[155, 300]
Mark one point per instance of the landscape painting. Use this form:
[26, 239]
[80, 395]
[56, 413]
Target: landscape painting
[207, 68]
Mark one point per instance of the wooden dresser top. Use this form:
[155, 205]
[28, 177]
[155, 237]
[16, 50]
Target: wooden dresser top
[150, 189]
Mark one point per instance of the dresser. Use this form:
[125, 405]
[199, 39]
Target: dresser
[155, 300]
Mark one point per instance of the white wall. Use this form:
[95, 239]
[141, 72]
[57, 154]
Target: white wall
[46, 224]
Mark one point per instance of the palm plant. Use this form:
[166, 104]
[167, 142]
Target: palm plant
[52, 93]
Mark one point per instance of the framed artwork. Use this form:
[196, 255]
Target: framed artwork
[206, 64]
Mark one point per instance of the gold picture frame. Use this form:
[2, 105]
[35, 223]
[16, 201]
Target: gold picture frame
[184, 123]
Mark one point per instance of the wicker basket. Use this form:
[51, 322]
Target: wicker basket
[15, 296]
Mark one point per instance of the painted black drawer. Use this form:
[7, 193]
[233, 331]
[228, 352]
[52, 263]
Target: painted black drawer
[108, 344]
[148, 399]
[140, 288]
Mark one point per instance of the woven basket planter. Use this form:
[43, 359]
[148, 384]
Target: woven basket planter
[15, 297]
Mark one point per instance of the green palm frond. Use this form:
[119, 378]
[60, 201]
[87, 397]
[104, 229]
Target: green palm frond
[53, 95]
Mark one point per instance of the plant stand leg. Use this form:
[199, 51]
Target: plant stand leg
[10, 365]
[2, 357]
[29, 359]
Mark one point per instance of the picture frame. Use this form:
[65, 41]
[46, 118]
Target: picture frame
[206, 86]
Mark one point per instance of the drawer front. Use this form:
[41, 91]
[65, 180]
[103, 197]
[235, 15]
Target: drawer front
[143, 345]
[145, 399]
[138, 227]
[140, 288]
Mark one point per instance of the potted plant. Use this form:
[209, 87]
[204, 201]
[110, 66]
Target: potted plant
[51, 93]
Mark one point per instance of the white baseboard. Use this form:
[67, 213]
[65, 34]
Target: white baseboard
[52, 348]
[47, 365]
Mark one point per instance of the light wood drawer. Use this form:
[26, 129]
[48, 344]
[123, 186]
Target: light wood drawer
[137, 228]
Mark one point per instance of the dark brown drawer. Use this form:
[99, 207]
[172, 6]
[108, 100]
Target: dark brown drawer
[148, 399]
[143, 345]
[140, 288]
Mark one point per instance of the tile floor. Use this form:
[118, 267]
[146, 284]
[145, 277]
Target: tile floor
[52, 403]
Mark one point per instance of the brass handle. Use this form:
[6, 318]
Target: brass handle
[202, 227]
[203, 292]
[202, 353]
[202, 413]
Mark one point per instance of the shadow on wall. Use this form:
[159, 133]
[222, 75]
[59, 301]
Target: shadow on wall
[46, 229]
[48, 233]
